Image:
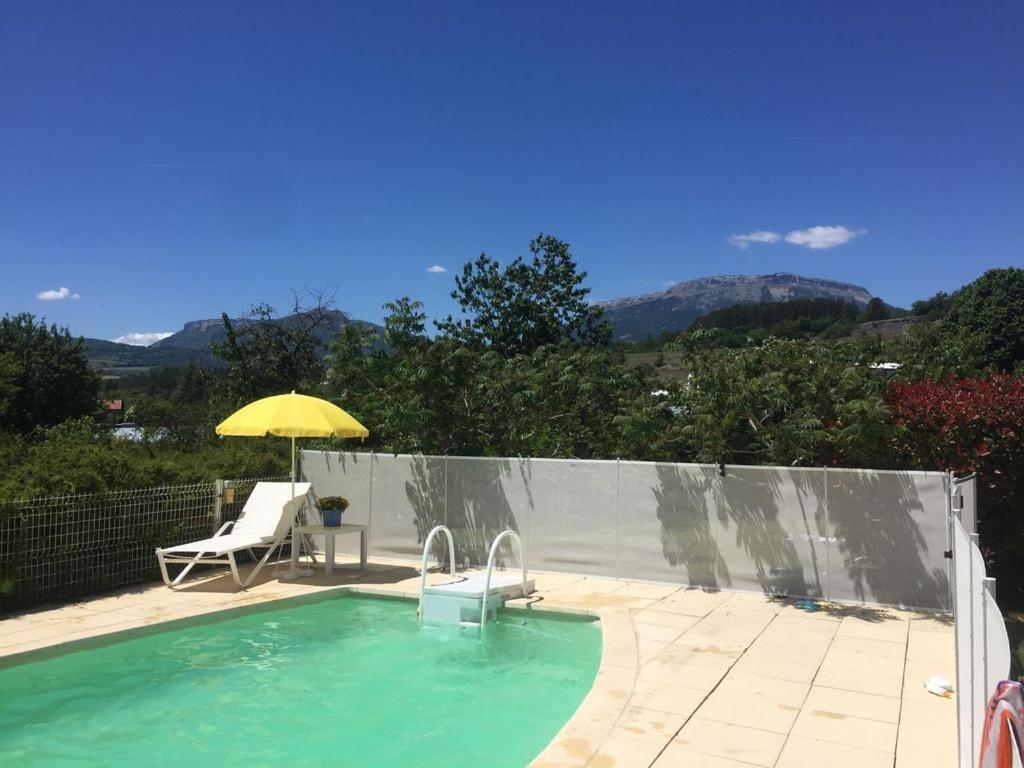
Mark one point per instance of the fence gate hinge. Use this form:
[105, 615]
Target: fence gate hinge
[948, 554]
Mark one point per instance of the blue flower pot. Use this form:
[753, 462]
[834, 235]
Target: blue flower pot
[332, 517]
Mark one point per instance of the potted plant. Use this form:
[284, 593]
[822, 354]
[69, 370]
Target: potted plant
[331, 508]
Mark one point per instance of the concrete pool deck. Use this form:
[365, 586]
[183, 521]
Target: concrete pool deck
[688, 678]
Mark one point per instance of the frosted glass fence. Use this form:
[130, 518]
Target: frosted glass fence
[982, 645]
[838, 534]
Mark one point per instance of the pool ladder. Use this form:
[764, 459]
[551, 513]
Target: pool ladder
[470, 599]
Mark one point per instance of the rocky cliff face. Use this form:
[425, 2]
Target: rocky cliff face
[637, 317]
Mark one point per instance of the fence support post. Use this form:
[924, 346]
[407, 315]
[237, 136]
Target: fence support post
[218, 502]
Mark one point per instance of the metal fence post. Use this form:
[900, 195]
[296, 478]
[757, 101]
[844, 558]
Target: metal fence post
[218, 502]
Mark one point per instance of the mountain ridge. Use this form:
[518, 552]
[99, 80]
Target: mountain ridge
[634, 318]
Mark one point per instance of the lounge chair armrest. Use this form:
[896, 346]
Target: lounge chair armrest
[224, 528]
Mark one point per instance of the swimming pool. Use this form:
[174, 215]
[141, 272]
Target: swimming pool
[339, 680]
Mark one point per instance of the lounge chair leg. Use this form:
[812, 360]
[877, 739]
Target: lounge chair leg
[256, 569]
[163, 568]
[234, 570]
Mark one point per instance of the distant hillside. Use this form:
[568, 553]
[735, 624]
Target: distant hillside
[193, 342]
[634, 318]
[115, 359]
[199, 334]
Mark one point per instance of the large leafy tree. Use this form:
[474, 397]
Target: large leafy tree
[44, 375]
[269, 355]
[785, 402]
[988, 312]
[527, 304]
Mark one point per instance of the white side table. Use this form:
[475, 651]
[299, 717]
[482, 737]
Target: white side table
[329, 532]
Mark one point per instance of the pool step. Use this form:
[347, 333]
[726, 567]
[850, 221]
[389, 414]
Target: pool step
[463, 600]
[459, 601]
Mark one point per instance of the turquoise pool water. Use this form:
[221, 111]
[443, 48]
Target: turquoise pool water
[342, 681]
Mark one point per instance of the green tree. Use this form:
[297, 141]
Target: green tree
[269, 355]
[526, 305]
[44, 375]
[785, 402]
[988, 311]
[876, 309]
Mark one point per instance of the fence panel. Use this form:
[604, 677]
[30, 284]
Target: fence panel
[407, 500]
[771, 530]
[341, 474]
[484, 497]
[887, 534]
[982, 645]
[62, 547]
[667, 523]
[574, 522]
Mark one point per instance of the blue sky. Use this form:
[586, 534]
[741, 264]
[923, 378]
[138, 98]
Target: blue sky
[165, 162]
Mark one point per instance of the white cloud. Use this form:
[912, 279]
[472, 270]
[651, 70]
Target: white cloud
[760, 236]
[819, 238]
[59, 295]
[437, 269]
[137, 339]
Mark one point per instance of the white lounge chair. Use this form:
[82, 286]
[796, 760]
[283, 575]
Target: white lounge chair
[265, 520]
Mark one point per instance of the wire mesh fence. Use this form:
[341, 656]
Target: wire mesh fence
[61, 547]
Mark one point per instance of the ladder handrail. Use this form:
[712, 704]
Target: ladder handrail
[426, 555]
[490, 568]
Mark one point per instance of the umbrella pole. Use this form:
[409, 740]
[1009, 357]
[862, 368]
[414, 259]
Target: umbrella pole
[294, 571]
[295, 538]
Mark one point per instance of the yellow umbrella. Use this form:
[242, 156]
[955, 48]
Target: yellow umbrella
[291, 416]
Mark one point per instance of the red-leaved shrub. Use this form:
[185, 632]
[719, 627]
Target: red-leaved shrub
[973, 425]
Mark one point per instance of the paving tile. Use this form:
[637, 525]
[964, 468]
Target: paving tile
[797, 669]
[649, 649]
[855, 660]
[621, 751]
[864, 680]
[801, 752]
[927, 730]
[931, 622]
[650, 724]
[709, 655]
[853, 704]
[779, 649]
[891, 630]
[893, 650]
[693, 602]
[684, 675]
[843, 729]
[733, 742]
[755, 701]
[646, 590]
[931, 647]
[666, 697]
[676, 756]
[657, 632]
[652, 616]
[806, 625]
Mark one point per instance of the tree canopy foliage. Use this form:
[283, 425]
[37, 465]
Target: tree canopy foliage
[526, 305]
[44, 375]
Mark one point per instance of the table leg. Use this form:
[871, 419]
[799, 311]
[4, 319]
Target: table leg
[329, 555]
[362, 550]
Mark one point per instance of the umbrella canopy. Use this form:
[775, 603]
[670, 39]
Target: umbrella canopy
[291, 415]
